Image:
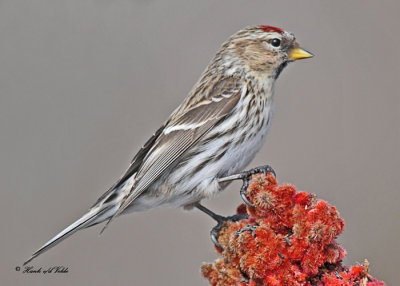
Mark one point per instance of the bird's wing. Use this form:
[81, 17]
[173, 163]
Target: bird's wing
[134, 166]
[184, 128]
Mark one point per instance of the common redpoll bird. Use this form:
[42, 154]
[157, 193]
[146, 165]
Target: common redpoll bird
[212, 135]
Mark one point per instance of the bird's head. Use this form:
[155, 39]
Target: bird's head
[262, 50]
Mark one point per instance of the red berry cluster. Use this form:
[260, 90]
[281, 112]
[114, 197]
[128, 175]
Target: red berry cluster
[288, 239]
[355, 275]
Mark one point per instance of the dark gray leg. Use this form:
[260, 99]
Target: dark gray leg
[214, 233]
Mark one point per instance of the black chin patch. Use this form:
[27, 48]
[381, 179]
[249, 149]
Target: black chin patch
[279, 69]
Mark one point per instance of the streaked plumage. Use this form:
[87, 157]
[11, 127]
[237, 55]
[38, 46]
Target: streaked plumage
[215, 132]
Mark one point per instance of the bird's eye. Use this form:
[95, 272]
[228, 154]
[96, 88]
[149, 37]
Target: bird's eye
[275, 42]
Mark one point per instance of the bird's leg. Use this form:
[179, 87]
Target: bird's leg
[246, 176]
[214, 233]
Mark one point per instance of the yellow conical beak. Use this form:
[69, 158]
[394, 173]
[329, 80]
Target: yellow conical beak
[297, 53]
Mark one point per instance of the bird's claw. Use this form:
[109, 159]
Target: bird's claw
[246, 176]
[214, 233]
[243, 193]
[249, 228]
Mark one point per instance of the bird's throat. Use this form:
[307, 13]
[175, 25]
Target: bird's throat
[278, 71]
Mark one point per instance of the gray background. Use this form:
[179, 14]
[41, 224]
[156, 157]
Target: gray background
[84, 83]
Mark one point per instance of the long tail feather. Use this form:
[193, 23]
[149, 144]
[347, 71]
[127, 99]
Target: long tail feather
[85, 221]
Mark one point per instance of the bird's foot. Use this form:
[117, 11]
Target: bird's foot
[246, 180]
[250, 228]
[214, 233]
[246, 176]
